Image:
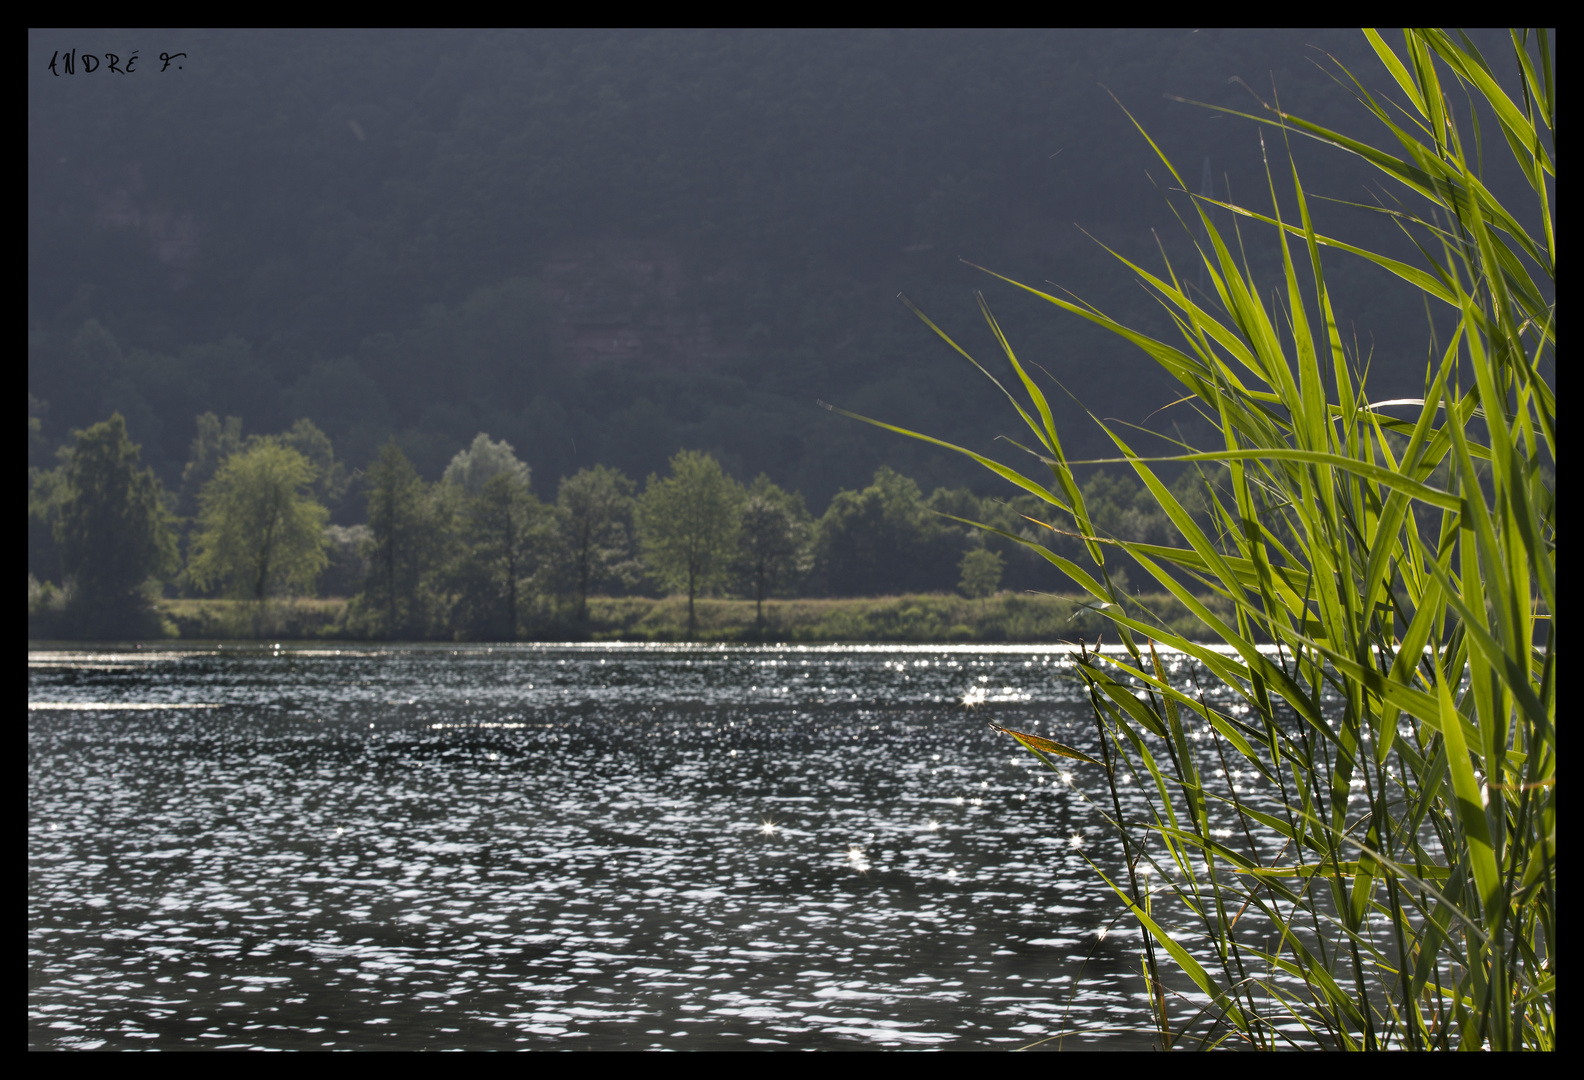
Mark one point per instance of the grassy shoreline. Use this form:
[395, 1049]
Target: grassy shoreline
[928, 617]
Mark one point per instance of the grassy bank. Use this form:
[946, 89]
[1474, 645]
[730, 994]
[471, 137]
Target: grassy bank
[297, 619]
[919, 618]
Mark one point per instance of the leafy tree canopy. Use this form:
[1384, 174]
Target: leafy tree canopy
[593, 544]
[775, 535]
[883, 540]
[114, 531]
[981, 573]
[214, 442]
[407, 549]
[473, 467]
[688, 524]
[330, 475]
[498, 532]
[260, 533]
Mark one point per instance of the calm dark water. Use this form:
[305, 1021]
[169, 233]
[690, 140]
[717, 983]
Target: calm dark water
[566, 847]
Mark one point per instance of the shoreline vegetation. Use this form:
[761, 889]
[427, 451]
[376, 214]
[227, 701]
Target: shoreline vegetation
[478, 557]
[921, 618]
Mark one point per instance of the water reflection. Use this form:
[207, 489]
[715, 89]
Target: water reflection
[597, 847]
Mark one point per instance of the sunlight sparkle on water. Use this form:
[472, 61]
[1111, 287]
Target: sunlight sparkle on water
[543, 828]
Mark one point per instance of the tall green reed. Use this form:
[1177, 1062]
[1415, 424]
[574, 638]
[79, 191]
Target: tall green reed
[1391, 883]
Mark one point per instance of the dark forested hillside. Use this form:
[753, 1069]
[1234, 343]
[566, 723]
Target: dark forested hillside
[603, 246]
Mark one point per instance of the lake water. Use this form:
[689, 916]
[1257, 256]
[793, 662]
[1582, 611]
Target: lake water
[580, 847]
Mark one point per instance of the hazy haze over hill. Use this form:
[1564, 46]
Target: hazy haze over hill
[602, 246]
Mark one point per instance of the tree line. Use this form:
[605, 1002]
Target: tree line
[478, 556]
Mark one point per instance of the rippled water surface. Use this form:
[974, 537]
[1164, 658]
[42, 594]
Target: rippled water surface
[565, 847]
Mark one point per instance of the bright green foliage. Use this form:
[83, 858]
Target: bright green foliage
[776, 531]
[499, 529]
[260, 534]
[981, 573]
[593, 545]
[408, 547]
[113, 529]
[1403, 556]
[688, 526]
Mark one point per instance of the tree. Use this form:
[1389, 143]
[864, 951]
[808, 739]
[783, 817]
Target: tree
[981, 573]
[592, 531]
[259, 531]
[883, 540]
[688, 525]
[485, 488]
[330, 475]
[210, 447]
[775, 530]
[114, 531]
[407, 527]
[48, 491]
[472, 468]
[38, 446]
[496, 536]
